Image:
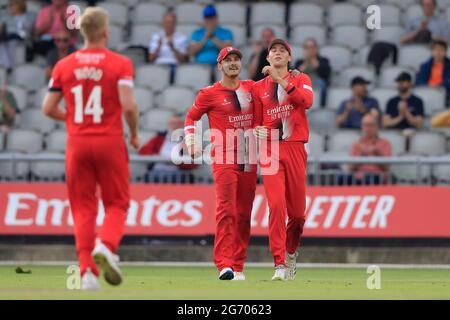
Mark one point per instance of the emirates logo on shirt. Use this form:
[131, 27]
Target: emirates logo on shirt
[225, 102]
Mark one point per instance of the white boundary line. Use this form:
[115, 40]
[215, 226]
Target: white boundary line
[250, 264]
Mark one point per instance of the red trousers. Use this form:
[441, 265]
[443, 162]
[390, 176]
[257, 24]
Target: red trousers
[235, 192]
[286, 195]
[93, 161]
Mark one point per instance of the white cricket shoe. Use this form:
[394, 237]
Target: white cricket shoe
[226, 274]
[291, 270]
[89, 281]
[107, 261]
[280, 273]
[239, 276]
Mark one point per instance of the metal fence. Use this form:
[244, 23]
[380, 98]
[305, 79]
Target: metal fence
[322, 170]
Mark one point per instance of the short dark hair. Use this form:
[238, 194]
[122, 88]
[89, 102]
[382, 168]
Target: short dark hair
[441, 43]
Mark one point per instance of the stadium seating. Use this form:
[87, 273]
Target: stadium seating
[232, 13]
[428, 143]
[408, 173]
[239, 34]
[148, 13]
[21, 76]
[390, 34]
[26, 141]
[141, 34]
[340, 57]
[115, 37]
[14, 169]
[344, 13]
[336, 96]
[390, 15]
[56, 141]
[341, 36]
[305, 13]
[413, 55]
[433, 98]
[346, 75]
[154, 77]
[267, 13]
[316, 144]
[341, 141]
[46, 169]
[144, 99]
[441, 173]
[339, 29]
[383, 95]
[397, 140]
[155, 119]
[178, 99]
[322, 121]
[195, 76]
[189, 13]
[389, 74]
[118, 13]
[34, 119]
[302, 32]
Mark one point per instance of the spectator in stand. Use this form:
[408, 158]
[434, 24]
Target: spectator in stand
[207, 41]
[351, 111]
[63, 48]
[50, 21]
[428, 27]
[317, 67]
[404, 111]
[258, 59]
[436, 71]
[370, 145]
[162, 145]
[441, 120]
[8, 109]
[168, 46]
[17, 26]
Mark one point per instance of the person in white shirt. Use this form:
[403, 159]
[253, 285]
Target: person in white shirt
[168, 46]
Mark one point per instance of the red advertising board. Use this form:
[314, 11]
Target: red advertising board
[395, 211]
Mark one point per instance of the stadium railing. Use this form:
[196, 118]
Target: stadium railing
[322, 170]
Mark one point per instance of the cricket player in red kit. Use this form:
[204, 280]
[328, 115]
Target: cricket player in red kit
[280, 103]
[97, 85]
[228, 105]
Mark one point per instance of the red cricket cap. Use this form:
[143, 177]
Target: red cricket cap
[282, 42]
[227, 51]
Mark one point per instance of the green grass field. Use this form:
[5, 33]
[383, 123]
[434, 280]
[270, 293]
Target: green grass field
[201, 283]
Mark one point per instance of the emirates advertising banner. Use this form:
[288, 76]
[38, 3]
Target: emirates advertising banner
[188, 210]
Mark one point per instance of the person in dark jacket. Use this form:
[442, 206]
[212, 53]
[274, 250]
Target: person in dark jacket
[317, 67]
[436, 71]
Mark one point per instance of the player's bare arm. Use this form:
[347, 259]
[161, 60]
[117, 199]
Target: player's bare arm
[51, 106]
[130, 112]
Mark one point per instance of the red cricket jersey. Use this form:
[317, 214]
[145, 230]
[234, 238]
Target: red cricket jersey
[228, 110]
[284, 109]
[89, 80]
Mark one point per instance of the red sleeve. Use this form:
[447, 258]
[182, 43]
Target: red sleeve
[300, 91]
[257, 107]
[126, 73]
[55, 83]
[150, 147]
[200, 107]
